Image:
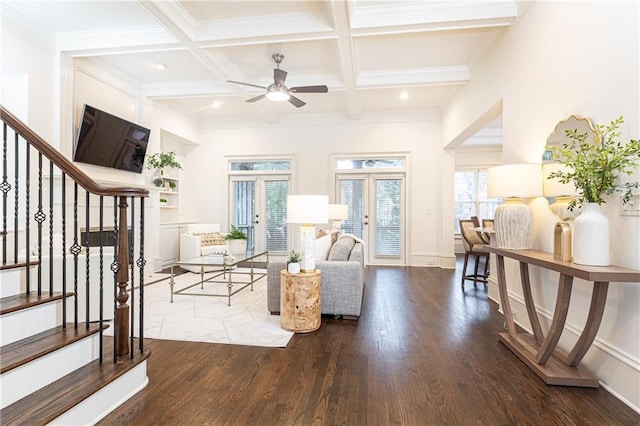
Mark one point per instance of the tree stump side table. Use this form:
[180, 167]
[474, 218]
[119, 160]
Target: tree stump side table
[300, 301]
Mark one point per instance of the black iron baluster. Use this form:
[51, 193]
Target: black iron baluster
[27, 186]
[87, 258]
[17, 204]
[51, 231]
[132, 268]
[39, 218]
[141, 264]
[75, 250]
[100, 278]
[64, 248]
[5, 188]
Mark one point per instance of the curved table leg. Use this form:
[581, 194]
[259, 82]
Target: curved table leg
[598, 299]
[504, 297]
[559, 318]
[528, 301]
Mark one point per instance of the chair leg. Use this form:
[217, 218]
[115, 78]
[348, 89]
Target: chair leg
[475, 270]
[464, 270]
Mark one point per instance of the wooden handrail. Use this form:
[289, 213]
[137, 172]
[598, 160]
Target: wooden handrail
[64, 164]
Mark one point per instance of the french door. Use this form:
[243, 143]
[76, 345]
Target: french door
[376, 213]
[258, 207]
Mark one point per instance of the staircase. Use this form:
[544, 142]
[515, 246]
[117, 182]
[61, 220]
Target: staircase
[58, 293]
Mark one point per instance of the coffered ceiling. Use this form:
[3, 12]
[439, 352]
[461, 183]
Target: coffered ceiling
[368, 53]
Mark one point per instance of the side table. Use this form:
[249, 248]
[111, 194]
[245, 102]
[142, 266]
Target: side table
[300, 301]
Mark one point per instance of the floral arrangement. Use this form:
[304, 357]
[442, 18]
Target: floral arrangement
[594, 166]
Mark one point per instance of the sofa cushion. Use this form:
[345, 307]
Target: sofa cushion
[322, 247]
[211, 239]
[335, 234]
[342, 248]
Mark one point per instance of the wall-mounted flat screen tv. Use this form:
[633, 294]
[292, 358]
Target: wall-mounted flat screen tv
[109, 141]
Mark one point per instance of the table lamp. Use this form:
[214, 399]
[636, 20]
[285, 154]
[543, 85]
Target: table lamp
[513, 220]
[307, 210]
[337, 213]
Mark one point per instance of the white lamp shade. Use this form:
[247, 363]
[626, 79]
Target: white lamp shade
[307, 209]
[553, 187]
[523, 180]
[338, 211]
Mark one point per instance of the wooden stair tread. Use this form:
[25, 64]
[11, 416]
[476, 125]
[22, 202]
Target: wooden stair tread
[17, 265]
[23, 351]
[48, 403]
[23, 301]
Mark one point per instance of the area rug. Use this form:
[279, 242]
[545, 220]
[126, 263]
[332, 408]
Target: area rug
[208, 319]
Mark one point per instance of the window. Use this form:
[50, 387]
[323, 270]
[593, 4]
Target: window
[471, 196]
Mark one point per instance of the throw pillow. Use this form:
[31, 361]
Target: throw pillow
[211, 239]
[342, 249]
[322, 247]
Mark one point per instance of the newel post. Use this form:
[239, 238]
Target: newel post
[122, 326]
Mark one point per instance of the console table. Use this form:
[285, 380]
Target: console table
[538, 351]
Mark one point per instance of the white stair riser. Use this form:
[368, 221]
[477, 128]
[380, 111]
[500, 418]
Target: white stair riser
[103, 402]
[21, 381]
[27, 322]
[11, 282]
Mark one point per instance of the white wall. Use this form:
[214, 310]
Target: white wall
[311, 146]
[564, 58]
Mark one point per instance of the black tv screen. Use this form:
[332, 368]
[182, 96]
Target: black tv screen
[109, 141]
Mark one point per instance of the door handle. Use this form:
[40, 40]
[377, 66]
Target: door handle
[366, 223]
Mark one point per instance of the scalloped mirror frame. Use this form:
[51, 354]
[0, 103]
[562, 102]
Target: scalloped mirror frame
[556, 138]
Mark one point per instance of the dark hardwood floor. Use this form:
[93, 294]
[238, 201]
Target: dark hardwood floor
[422, 353]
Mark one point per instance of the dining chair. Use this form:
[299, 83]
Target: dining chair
[474, 247]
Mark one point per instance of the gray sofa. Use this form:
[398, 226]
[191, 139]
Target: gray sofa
[342, 284]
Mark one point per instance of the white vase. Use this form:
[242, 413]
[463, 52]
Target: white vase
[591, 237]
[293, 268]
[238, 247]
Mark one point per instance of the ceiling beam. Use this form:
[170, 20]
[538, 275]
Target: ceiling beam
[346, 58]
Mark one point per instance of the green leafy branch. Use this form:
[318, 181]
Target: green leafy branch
[595, 165]
[161, 160]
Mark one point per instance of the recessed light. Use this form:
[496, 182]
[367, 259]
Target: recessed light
[216, 104]
[404, 95]
[160, 66]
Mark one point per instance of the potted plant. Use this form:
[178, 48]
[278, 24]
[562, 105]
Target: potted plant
[158, 161]
[293, 263]
[594, 167]
[163, 201]
[237, 241]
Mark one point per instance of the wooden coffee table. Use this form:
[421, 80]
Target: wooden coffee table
[228, 270]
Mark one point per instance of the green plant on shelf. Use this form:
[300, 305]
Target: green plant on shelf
[163, 201]
[173, 185]
[160, 160]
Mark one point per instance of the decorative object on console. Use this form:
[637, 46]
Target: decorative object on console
[338, 213]
[513, 220]
[237, 241]
[595, 162]
[293, 263]
[158, 161]
[307, 210]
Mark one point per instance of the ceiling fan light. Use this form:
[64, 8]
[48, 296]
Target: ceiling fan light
[278, 95]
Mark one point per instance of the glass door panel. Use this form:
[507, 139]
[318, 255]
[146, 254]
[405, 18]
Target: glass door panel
[259, 208]
[376, 214]
[243, 208]
[388, 217]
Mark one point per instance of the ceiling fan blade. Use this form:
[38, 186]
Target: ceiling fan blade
[297, 102]
[279, 76]
[246, 84]
[309, 89]
[257, 98]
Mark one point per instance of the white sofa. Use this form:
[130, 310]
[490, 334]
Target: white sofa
[191, 244]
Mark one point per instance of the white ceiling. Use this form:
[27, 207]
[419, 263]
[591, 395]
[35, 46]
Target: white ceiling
[366, 52]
